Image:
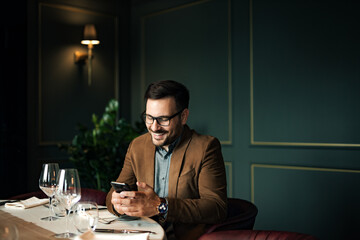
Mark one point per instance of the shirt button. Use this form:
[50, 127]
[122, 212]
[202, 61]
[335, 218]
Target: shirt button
[163, 178]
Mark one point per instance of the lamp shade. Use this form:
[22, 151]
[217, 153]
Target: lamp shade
[90, 35]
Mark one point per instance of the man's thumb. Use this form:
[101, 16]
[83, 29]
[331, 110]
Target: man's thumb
[143, 186]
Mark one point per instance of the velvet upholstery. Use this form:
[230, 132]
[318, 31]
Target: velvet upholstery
[255, 235]
[241, 214]
[87, 194]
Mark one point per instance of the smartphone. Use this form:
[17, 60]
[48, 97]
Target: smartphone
[119, 187]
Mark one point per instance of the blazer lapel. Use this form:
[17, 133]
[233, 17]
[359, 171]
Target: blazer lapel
[176, 163]
[148, 170]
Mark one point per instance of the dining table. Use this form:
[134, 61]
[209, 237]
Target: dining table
[29, 225]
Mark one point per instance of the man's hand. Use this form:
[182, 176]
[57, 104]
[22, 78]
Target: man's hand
[137, 203]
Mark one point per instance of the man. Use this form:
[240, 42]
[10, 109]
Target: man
[177, 175]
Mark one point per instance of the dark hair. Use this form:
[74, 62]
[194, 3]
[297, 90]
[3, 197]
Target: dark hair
[169, 88]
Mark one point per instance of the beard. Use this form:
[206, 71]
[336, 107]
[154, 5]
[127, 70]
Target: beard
[164, 141]
[162, 137]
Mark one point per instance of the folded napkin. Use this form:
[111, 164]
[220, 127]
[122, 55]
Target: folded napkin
[28, 203]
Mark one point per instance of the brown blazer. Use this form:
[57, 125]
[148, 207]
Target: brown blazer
[197, 180]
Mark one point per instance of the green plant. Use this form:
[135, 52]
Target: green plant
[99, 153]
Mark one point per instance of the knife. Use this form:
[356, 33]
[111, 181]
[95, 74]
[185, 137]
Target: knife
[104, 230]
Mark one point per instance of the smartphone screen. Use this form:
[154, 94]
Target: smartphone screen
[119, 187]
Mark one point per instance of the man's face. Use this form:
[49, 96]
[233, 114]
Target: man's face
[163, 136]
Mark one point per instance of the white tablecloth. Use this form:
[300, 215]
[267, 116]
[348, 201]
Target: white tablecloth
[33, 215]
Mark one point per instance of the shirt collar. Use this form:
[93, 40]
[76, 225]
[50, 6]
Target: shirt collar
[171, 146]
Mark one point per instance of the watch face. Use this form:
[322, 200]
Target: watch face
[163, 208]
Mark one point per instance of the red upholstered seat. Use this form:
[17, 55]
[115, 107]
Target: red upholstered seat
[255, 235]
[241, 214]
[87, 194]
[38, 194]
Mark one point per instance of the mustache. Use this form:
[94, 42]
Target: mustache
[159, 131]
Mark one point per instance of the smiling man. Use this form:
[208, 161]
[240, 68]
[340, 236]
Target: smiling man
[177, 176]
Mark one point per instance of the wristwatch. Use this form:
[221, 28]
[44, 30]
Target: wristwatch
[162, 208]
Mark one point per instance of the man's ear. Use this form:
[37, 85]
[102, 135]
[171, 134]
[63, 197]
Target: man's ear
[184, 116]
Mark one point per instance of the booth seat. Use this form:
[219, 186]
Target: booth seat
[241, 215]
[255, 235]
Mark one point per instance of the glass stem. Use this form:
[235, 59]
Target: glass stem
[67, 227]
[50, 208]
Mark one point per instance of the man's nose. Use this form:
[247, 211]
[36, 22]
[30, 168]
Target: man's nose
[155, 125]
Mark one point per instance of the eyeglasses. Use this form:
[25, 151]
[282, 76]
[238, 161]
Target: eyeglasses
[162, 121]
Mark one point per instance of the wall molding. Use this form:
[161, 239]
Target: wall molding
[287, 167]
[228, 166]
[252, 125]
[41, 141]
[229, 59]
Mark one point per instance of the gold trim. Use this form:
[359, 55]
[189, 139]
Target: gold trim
[229, 142]
[252, 124]
[292, 168]
[252, 183]
[251, 75]
[74, 9]
[175, 8]
[116, 71]
[142, 60]
[304, 144]
[230, 183]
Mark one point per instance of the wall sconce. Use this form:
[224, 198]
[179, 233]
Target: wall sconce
[89, 39]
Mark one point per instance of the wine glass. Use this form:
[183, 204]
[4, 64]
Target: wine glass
[59, 210]
[68, 192]
[47, 183]
[85, 216]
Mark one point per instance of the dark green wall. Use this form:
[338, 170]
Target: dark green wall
[278, 84]
[13, 117]
[63, 84]
[47, 92]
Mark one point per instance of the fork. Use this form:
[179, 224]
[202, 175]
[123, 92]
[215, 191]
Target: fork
[105, 221]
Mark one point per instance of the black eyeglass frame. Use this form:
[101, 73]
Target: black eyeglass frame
[168, 118]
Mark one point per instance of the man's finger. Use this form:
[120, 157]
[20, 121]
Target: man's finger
[131, 194]
[115, 198]
[129, 210]
[127, 194]
[129, 201]
[144, 186]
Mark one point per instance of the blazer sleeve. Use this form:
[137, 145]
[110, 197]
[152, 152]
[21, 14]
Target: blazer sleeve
[127, 175]
[211, 206]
